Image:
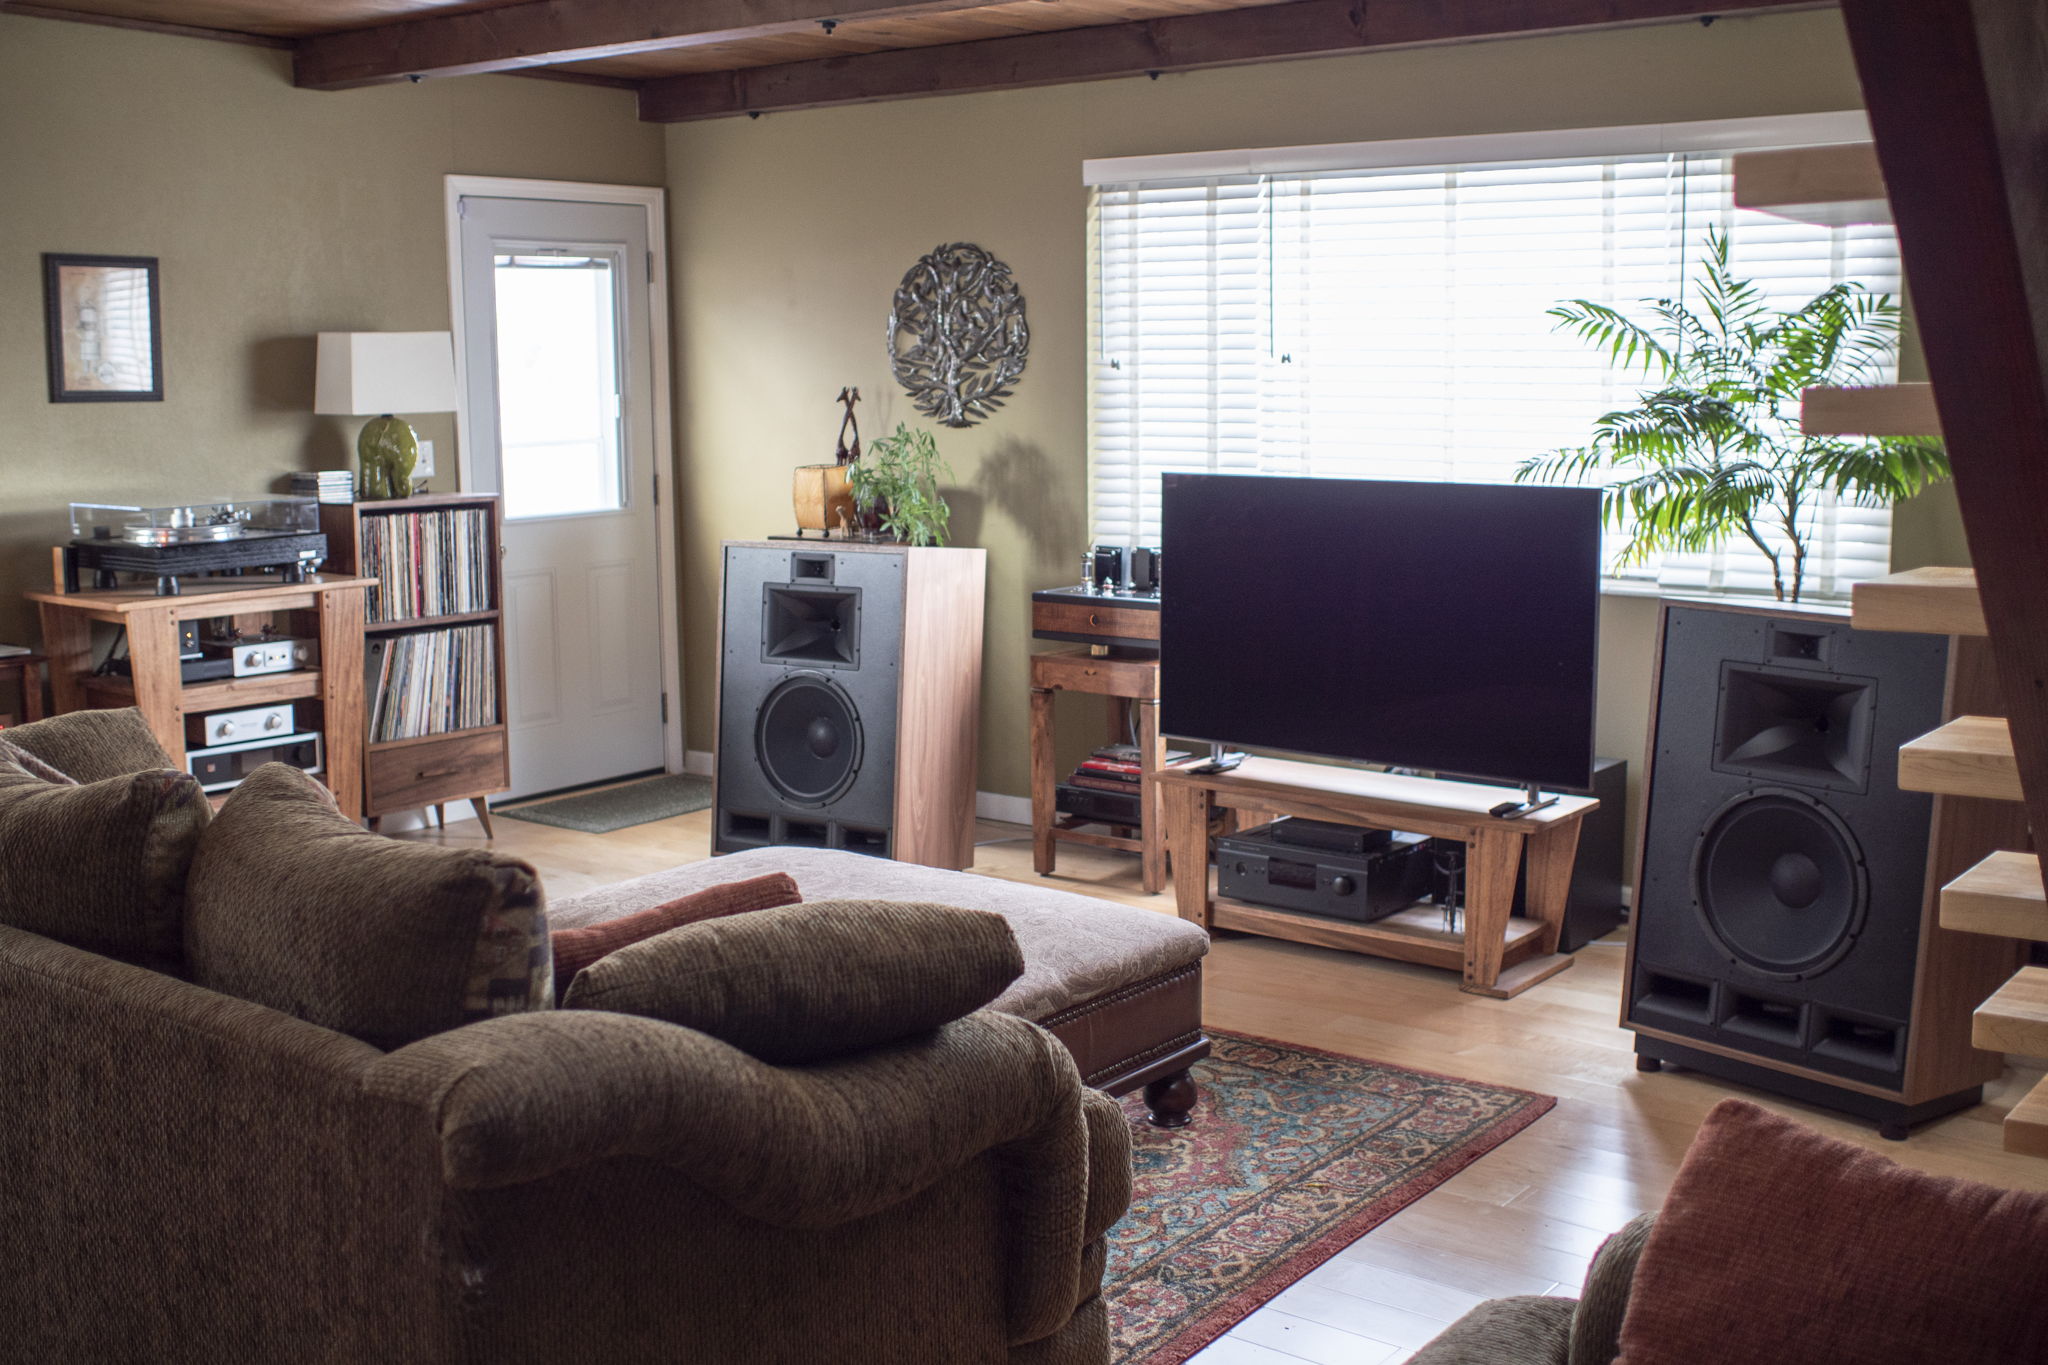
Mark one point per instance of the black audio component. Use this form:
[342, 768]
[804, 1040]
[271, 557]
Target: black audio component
[1594, 905]
[1112, 568]
[1256, 867]
[1327, 835]
[203, 669]
[1109, 808]
[823, 655]
[1145, 569]
[293, 556]
[1780, 906]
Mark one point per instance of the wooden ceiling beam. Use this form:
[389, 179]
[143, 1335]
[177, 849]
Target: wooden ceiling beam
[1954, 92]
[1305, 28]
[543, 33]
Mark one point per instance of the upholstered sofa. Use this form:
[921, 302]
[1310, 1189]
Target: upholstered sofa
[191, 1174]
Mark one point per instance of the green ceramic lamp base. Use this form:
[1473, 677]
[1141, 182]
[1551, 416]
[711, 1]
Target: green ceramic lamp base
[386, 454]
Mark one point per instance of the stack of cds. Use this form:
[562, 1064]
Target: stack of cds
[1106, 787]
[328, 485]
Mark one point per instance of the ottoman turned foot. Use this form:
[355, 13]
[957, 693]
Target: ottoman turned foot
[1171, 1100]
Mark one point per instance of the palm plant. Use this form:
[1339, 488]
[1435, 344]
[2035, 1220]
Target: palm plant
[1716, 450]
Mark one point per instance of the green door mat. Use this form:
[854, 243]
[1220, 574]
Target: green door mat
[621, 807]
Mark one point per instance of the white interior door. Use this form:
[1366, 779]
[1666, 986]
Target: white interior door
[560, 422]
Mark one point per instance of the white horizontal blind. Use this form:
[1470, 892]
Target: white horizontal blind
[1392, 323]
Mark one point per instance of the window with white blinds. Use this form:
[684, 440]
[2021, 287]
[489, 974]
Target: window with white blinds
[1392, 323]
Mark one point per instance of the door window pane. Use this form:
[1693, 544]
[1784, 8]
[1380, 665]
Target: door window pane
[558, 385]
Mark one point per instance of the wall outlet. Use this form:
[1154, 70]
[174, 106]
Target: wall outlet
[425, 468]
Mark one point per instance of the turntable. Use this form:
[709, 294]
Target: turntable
[165, 543]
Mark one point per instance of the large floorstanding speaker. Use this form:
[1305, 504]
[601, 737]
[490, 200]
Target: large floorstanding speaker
[1784, 928]
[849, 699]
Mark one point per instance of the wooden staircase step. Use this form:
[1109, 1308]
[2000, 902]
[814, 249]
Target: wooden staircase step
[2002, 895]
[2026, 1124]
[1869, 410]
[1969, 756]
[2015, 1019]
[1931, 601]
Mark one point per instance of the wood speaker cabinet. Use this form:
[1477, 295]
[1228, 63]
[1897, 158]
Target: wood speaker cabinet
[849, 699]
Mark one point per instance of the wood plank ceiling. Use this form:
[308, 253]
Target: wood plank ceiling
[693, 59]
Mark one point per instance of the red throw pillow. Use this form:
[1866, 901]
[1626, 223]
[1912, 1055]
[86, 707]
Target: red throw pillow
[576, 949]
[1778, 1243]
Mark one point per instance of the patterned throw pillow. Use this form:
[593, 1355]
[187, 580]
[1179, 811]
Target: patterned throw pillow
[90, 746]
[576, 949]
[30, 764]
[295, 906]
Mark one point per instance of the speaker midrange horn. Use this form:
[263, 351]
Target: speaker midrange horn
[1779, 883]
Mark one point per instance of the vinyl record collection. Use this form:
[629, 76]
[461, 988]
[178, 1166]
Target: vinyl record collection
[428, 563]
[432, 681]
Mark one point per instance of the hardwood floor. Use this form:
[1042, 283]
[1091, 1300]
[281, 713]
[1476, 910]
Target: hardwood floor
[1525, 1219]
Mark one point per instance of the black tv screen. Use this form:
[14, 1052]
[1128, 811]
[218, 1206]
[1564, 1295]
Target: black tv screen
[1446, 627]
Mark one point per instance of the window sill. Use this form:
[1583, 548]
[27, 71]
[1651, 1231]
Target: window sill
[1636, 587]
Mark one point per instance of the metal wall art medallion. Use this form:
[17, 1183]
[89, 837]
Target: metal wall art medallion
[957, 336]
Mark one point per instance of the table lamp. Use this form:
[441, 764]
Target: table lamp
[377, 374]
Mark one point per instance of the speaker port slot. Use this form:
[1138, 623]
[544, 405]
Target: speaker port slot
[1797, 644]
[806, 833]
[755, 829]
[1676, 997]
[1876, 1043]
[873, 842]
[1768, 1021]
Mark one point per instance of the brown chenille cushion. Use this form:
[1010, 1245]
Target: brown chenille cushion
[87, 746]
[100, 865]
[1778, 1243]
[576, 949]
[803, 983]
[294, 906]
[33, 766]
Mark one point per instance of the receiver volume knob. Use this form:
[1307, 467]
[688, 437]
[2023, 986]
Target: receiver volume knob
[1342, 885]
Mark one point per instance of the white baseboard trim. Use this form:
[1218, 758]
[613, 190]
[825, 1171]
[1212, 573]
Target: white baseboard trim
[697, 761]
[995, 806]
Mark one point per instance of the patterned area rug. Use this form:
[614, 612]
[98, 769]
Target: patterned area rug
[620, 807]
[1293, 1155]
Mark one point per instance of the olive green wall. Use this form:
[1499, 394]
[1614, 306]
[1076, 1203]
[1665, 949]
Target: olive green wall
[276, 213]
[790, 232]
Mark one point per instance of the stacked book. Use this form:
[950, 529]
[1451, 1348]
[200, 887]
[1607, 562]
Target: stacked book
[428, 563]
[328, 485]
[1107, 786]
[430, 682]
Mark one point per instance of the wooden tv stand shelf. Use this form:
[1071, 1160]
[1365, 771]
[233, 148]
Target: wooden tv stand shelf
[1498, 954]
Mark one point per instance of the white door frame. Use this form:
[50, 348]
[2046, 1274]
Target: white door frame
[653, 201]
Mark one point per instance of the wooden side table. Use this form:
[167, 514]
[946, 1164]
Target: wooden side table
[28, 671]
[1132, 683]
[1498, 954]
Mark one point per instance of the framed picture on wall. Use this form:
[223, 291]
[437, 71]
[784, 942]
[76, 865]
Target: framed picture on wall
[104, 330]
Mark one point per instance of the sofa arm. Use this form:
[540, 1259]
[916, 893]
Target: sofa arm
[1528, 1329]
[1596, 1327]
[521, 1097]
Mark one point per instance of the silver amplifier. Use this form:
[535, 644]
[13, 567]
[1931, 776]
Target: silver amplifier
[250, 658]
[233, 727]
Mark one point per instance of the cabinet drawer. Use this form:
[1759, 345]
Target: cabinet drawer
[427, 772]
[1071, 620]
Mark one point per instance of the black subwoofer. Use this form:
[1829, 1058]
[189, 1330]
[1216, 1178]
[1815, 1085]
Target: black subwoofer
[1779, 903]
[808, 739]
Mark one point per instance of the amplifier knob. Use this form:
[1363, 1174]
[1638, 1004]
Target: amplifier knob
[273, 722]
[1342, 885]
[224, 730]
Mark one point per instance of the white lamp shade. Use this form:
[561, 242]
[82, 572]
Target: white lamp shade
[366, 374]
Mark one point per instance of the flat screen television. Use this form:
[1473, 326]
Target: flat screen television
[1440, 626]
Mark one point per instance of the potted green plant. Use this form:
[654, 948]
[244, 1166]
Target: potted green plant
[897, 479]
[1716, 449]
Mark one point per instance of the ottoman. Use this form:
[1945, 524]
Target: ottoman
[1121, 987]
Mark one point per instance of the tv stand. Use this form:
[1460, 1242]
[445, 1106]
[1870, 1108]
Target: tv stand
[1498, 955]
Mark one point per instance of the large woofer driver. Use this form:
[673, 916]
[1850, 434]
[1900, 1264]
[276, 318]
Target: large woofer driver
[1779, 883]
[808, 740]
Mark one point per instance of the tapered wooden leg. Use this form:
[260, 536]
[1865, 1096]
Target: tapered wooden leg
[1151, 758]
[1552, 850]
[440, 817]
[1187, 823]
[483, 816]
[1490, 865]
[1042, 795]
